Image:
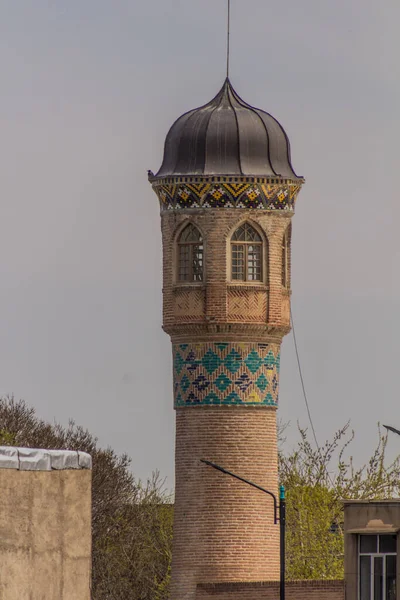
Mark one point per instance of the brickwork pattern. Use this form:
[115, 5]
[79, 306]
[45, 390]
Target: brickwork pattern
[220, 294]
[223, 529]
[247, 305]
[225, 373]
[189, 304]
[295, 590]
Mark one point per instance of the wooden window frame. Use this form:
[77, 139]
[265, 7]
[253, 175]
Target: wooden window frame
[244, 246]
[195, 249]
[285, 258]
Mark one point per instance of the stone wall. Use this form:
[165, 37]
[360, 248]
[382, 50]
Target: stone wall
[45, 525]
[295, 590]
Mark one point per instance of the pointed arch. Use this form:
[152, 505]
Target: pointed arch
[247, 254]
[190, 255]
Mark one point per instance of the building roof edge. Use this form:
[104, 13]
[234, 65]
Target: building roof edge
[35, 459]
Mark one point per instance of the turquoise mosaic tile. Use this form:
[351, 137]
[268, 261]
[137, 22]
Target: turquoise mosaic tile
[212, 399]
[233, 398]
[262, 382]
[222, 382]
[253, 361]
[226, 374]
[179, 363]
[185, 383]
[211, 361]
[233, 361]
[270, 360]
[222, 346]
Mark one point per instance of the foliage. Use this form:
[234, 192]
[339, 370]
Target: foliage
[316, 481]
[132, 523]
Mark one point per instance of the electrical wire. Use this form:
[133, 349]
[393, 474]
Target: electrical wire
[302, 380]
[305, 393]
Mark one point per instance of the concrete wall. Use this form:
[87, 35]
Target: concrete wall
[295, 590]
[45, 534]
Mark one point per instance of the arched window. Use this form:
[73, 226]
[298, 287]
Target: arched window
[286, 258]
[247, 250]
[190, 254]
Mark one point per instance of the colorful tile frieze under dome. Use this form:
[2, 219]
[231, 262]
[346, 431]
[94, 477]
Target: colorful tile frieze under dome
[222, 194]
[226, 374]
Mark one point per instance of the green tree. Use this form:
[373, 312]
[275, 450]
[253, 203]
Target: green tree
[316, 481]
[132, 522]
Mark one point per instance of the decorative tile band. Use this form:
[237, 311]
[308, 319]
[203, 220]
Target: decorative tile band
[226, 374]
[255, 194]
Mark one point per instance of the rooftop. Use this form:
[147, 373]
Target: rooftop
[31, 459]
[227, 136]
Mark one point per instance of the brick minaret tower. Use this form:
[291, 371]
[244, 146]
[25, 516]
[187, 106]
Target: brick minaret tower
[227, 191]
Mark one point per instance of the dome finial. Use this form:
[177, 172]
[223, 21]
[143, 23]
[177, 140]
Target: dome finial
[228, 39]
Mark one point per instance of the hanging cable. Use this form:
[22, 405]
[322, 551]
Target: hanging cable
[305, 394]
[302, 380]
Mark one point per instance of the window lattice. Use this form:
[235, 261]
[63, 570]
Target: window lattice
[286, 258]
[246, 233]
[246, 252]
[190, 255]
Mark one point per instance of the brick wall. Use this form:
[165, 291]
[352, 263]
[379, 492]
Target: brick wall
[224, 530]
[217, 227]
[295, 590]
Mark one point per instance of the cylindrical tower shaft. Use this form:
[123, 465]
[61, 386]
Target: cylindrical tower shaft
[223, 530]
[226, 306]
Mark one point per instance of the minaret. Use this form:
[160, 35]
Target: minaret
[227, 192]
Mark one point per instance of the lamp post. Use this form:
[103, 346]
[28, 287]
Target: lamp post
[279, 515]
[389, 428]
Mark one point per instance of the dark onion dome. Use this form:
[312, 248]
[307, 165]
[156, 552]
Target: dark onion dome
[227, 136]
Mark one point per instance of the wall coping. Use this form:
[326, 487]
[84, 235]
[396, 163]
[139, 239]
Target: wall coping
[383, 501]
[33, 459]
[241, 585]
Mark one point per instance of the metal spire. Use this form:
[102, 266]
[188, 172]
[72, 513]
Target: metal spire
[228, 38]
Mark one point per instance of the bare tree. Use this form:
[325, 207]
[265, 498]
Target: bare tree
[131, 523]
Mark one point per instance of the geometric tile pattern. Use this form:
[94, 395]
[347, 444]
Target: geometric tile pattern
[224, 194]
[226, 374]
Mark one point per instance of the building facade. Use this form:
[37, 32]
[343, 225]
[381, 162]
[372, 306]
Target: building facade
[371, 529]
[227, 192]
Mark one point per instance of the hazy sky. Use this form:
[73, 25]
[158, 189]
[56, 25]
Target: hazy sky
[89, 89]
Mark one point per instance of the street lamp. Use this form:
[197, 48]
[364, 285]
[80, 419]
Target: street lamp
[389, 428]
[281, 517]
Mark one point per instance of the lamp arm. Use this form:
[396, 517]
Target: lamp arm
[254, 485]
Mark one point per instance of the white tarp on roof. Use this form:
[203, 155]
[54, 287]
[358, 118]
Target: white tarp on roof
[31, 459]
